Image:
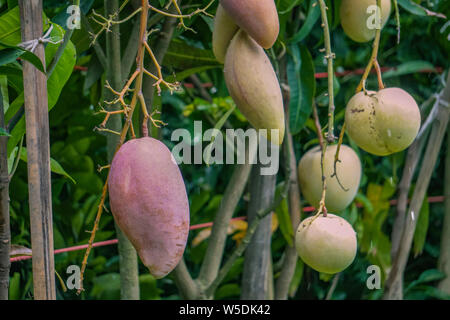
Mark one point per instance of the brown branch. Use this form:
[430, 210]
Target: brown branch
[233, 193]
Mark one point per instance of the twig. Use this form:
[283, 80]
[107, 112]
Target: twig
[323, 147]
[98, 49]
[333, 286]
[329, 56]
[374, 56]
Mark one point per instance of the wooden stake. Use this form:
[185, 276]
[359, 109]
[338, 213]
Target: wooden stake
[38, 151]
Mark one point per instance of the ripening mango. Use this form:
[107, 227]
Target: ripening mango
[149, 203]
[383, 122]
[224, 30]
[254, 86]
[259, 18]
[359, 18]
[348, 169]
[326, 244]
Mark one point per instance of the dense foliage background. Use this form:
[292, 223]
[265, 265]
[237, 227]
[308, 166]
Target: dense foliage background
[79, 149]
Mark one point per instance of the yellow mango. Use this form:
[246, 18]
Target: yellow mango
[348, 171]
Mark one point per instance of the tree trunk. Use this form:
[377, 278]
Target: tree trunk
[129, 272]
[254, 279]
[5, 236]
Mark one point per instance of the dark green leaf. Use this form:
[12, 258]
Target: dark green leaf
[302, 83]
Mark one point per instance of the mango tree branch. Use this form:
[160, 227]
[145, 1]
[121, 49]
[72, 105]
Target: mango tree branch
[444, 257]
[233, 193]
[186, 285]
[294, 204]
[128, 262]
[394, 283]
[238, 251]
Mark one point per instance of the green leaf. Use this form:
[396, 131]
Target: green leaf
[285, 6]
[10, 54]
[10, 27]
[54, 165]
[55, 83]
[420, 234]
[182, 56]
[311, 19]
[302, 83]
[417, 9]
[408, 68]
[297, 278]
[218, 126]
[3, 133]
[14, 287]
[180, 76]
[284, 219]
[227, 291]
[426, 276]
[4, 96]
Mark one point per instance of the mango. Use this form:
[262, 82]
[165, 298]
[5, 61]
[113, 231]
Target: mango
[223, 32]
[148, 200]
[326, 244]
[348, 170]
[259, 18]
[358, 19]
[383, 122]
[254, 86]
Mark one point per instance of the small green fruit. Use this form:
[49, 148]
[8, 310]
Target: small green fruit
[326, 244]
[348, 171]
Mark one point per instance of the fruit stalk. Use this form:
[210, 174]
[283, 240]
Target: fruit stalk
[373, 59]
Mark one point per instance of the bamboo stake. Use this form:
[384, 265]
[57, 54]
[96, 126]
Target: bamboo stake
[38, 152]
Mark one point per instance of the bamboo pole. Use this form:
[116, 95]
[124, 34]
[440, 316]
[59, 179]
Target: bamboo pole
[38, 152]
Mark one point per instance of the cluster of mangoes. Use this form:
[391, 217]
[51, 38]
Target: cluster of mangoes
[147, 193]
[241, 30]
[381, 123]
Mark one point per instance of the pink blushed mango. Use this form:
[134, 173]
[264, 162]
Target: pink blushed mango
[259, 18]
[149, 203]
